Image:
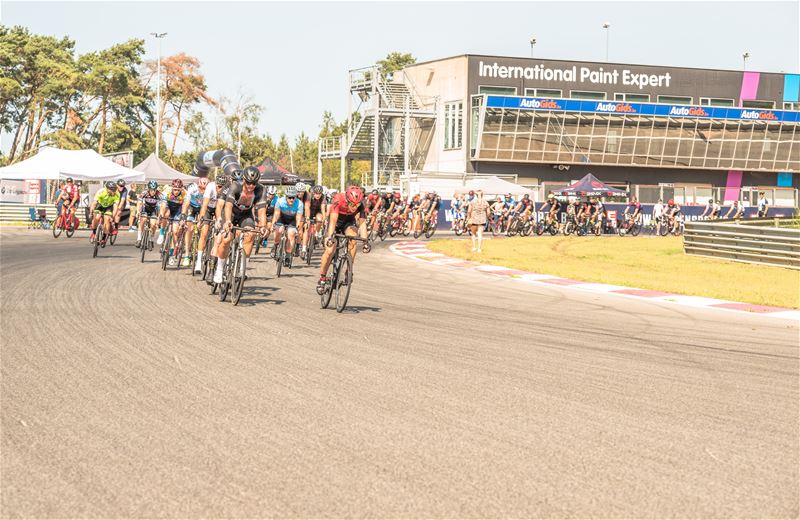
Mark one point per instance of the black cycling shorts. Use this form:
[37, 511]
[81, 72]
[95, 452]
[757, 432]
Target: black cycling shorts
[345, 221]
[243, 219]
[150, 210]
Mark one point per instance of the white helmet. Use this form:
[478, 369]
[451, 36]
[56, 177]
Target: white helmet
[272, 190]
[300, 187]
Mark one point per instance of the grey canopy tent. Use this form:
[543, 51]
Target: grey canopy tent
[156, 169]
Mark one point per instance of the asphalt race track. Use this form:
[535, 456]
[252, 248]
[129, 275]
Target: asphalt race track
[131, 392]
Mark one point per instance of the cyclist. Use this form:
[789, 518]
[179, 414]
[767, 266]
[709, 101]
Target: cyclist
[172, 213]
[633, 211]
[585, 213]
[212, 200]
[435, 202]
[373, 204]
[148, 204]
[123, 199]
[672, 212]
[242, 200]
[573, 210]
[347, 216]
[70, 198]
[598, 213]
[712, 208]
[287, 218]
[315, 211]
[736, 211]
[498, 210]
[192, 204]
[554, 207]
[106, 207]
[509, 204]
[270, 199]
[412, 207]
[302, 195]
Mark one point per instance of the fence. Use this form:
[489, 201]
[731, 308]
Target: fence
[756, 241]
[20, 212]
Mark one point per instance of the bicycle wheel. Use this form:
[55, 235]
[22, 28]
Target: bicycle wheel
[145, 240]
[636, 228]
[113, 237]
[72, 225]
[664, 229]
[540, 228]
[458, 229]
[527, 229]
[57, 226]
[97, 238]
[430, 230]
[512, 228]
[393, 229]
[344, 282]
[225, 286]
[312, 243]
[407, 228]
[239, 269]
[325, 297]
[177, 251]
[598, 230]
[165, 248]
[279, 259]
[553, 229]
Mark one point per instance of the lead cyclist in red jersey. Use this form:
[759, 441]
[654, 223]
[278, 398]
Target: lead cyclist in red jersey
[347, 215]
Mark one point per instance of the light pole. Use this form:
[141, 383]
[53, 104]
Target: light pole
[158, 36]
[607, 26]
[744, 60]
[533, 42]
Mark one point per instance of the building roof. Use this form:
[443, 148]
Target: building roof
[539, 59]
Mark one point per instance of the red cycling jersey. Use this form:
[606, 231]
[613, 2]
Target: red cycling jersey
[339, 206]
[73, 192]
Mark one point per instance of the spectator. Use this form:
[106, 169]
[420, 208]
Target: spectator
[477, 218]
[736, 210]
[763, 204]
[658, 210]
[133, 197]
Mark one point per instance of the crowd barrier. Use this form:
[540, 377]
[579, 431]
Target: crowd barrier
[758, 241]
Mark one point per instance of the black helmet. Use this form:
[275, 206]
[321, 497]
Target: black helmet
[374, 192]
[251, 175]
[317, 189]
[69, 179]
[237, 175]
[121, 183]
[111, 186]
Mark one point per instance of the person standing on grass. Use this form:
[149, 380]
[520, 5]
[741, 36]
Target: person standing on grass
[477, 218]
[763, 204]
[658, 210]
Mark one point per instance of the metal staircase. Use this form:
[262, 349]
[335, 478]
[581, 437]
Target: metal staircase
[398, 111]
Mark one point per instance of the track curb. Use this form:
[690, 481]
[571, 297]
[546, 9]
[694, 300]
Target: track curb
[419, 251]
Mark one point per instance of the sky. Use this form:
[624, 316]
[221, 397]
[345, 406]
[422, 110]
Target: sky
[293, 57]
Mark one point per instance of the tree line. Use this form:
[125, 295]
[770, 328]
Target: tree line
[106, 100]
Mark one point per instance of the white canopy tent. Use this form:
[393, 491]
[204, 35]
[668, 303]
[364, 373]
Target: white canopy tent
[494, 186]
[156, 169]
[54, 163]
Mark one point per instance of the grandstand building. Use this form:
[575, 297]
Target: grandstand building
[670, 132]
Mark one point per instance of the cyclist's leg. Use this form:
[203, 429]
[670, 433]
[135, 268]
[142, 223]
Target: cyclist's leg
[107, 222]
[279, 229]
[291, 235]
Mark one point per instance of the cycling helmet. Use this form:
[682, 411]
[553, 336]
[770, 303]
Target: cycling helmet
[111, 186]
[251, 175]
[69, 179]
[354, 195]
[374, 192]
[291, 191]
[397, 196]
[526, 197]
[272, 190]
[221, 179]
[471, 193]
[237, 175]
[121, 183]
[670, 202]
[177, 183]
[551, 196]
[300, 187]
[152, 185]
[317, 189]
[202, 183]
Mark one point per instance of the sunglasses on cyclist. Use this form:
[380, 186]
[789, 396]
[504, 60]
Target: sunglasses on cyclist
[290, 198]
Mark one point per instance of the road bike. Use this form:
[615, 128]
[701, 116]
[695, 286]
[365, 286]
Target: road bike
[629, 226]
[65, 222]
[428, 227]
[340, 272]
[146, 243]
[400, 224]
[172, 246]
[547, 226]
[280, 255]
[234, 274]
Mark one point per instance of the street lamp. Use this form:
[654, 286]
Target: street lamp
[533, 42]
[607, 26]
[158, 36]
[744, 60]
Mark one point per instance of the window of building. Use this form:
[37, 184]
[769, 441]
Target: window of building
[757, 103]
[716, 102]
[586, 94]
[633, 98]
[787, 105]
[675, 100]
[497, 91]
[452, 125]
[543, 92]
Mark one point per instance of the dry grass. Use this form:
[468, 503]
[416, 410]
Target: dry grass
[654, 263]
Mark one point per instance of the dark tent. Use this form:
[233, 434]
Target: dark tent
[590, 186]
[274, 173]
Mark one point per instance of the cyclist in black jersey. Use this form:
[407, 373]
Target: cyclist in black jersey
[244, 199]
[316, 211]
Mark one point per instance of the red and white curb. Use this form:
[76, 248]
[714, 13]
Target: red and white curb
[419, 251]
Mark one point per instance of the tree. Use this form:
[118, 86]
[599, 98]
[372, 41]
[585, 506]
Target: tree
[395, 61]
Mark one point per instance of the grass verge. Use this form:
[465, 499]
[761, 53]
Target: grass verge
[653, 263]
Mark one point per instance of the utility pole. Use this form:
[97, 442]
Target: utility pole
[533, 42]
[607, 26]
[744, 60]
[159, 37]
